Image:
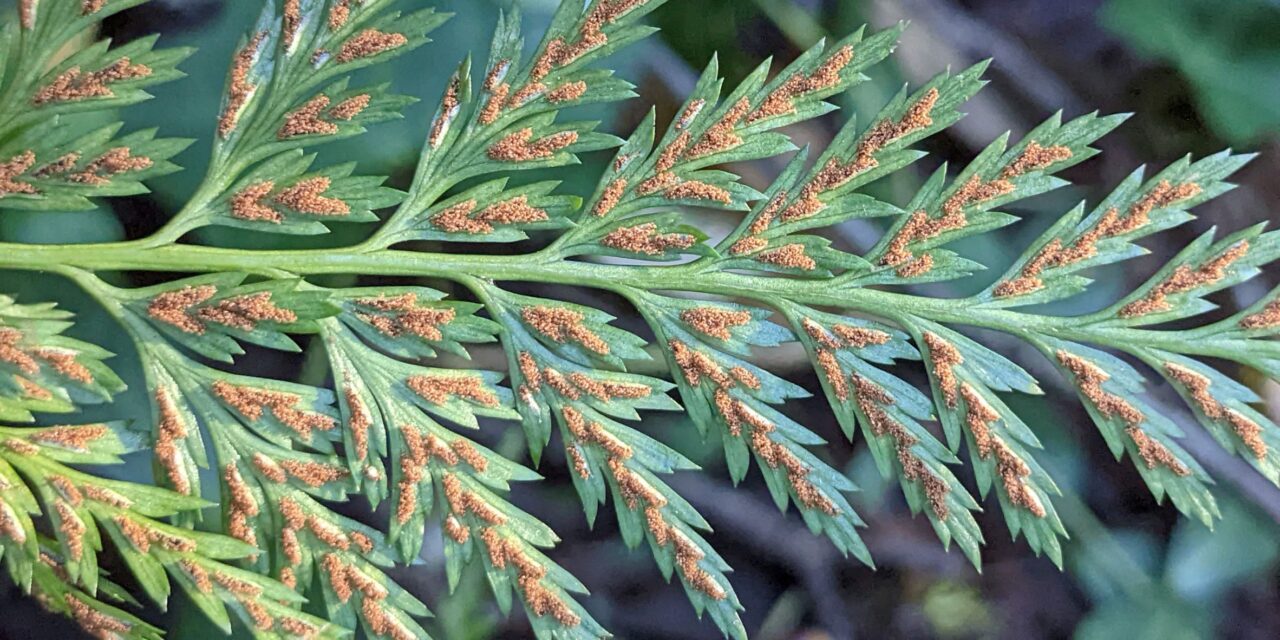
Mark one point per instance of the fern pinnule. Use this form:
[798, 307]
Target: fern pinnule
[49, 166]
[709, 131]
[1222, 405]
[567, 369]
[48, 372]
[732, 396]
[944, 211]
[508, 122]
[1136, 209]
[84, 509]
[393, 408]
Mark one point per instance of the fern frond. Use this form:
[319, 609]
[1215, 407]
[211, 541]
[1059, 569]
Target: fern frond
[1136, 209]
[84, 509]
[47, 372]
[53, 159]
[709, 131]
[567, 367]
[393, 410]
[289, 88]
[394, 424]
[944, 211]
[508, 122]
[704, 343]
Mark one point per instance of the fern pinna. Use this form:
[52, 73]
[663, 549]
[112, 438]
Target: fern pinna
[392, 425]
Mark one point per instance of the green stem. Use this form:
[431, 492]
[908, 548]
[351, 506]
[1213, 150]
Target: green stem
[142, 256]
[96, 288]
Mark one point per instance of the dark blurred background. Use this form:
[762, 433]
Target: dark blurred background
[1198, 75]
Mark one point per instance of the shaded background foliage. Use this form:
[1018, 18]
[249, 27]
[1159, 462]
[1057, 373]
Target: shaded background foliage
[1198, 75]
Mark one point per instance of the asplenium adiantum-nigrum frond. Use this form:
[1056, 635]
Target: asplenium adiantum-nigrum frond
[391, 426]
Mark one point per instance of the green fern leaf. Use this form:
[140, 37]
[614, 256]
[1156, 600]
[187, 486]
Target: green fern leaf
[402, 413]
